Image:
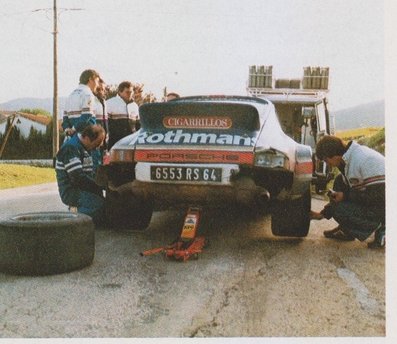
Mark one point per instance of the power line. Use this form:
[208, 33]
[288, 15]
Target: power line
[13, 14]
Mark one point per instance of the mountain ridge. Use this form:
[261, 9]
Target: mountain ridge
[33, 103]
[361, 116]
[370, 114]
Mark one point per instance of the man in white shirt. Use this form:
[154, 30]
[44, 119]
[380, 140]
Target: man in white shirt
[101, 114]
[123, 113]
[101, 117]
[79, 110]
[357, 202]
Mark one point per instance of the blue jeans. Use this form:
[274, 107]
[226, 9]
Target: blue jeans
[92, 205]
[358, 220]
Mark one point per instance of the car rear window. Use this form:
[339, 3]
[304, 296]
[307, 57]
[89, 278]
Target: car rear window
[200, 115]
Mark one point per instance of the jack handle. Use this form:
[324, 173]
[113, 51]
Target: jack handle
[153, 251]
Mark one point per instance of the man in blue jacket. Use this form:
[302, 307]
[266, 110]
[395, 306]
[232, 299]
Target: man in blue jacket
[75, 173]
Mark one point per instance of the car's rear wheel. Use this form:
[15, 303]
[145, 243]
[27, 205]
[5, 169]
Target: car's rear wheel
[292, 218]
[125, 211]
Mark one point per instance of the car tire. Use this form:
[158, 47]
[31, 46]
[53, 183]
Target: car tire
[46, 243]
[292, 218]
[124, 211]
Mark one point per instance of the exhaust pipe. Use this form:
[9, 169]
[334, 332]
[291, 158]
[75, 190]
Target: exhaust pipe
[263, 198]
[248, 193]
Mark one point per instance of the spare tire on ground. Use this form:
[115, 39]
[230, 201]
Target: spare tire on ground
[46, 243]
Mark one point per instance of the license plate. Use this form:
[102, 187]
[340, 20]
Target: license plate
[186, 174]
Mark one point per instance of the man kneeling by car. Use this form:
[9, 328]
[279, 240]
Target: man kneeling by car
[357, 202]
[75, 174]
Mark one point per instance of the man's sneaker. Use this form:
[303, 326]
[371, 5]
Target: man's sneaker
[380, 238]
[338, 234]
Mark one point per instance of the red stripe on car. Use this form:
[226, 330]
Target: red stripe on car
[205, 156]
[304, 167]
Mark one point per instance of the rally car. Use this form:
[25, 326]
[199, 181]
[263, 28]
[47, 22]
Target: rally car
[210, 151]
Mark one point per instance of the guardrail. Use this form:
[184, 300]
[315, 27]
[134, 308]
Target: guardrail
[30, 162]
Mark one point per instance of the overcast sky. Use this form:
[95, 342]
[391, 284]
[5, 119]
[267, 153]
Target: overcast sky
[193, 46]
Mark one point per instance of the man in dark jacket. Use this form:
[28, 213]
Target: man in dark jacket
[357, 202]
[75, 174]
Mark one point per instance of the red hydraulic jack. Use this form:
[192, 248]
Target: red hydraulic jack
[187, 245]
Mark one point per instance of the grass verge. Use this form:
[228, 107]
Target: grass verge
[356, 134]
[13, 176]
[372, 137]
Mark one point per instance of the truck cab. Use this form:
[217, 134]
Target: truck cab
[301, 106]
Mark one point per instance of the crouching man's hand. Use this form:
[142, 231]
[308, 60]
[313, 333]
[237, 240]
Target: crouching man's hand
[336, 196]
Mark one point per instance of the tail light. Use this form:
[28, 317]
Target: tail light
[271, 158]
[121, 155]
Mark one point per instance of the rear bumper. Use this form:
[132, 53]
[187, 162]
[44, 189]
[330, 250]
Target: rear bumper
[243, 192]
[248, 187]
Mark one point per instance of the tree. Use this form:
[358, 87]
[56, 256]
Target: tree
[35, 146]
[35, 111]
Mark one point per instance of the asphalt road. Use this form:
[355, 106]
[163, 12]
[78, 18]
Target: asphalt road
[247, 283]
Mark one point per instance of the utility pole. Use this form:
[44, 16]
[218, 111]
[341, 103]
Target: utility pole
[55, 129]
[13, 117]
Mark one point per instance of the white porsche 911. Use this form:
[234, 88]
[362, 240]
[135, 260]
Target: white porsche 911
[210, 151]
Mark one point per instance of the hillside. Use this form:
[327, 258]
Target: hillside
[361, 116]
[33, 103]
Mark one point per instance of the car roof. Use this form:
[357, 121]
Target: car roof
[259, 103]
[262, 106]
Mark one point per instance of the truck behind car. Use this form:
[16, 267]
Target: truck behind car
[302, 108]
